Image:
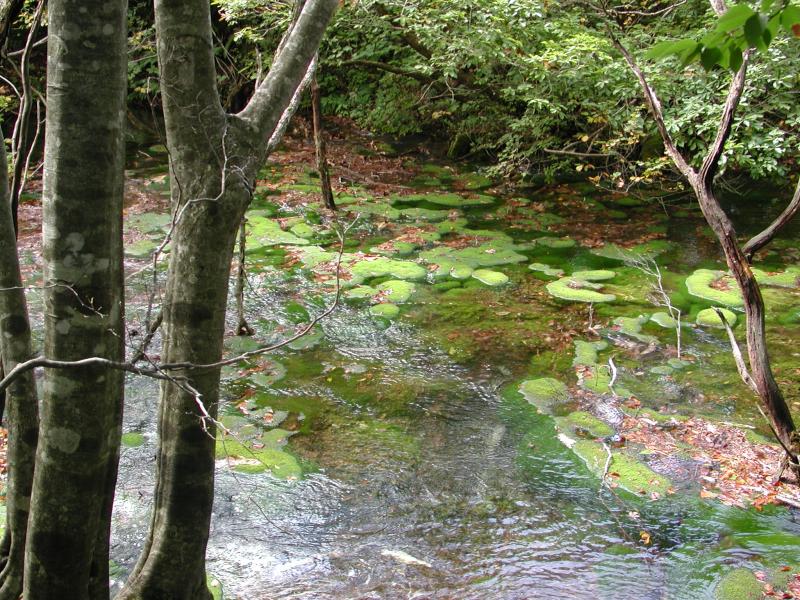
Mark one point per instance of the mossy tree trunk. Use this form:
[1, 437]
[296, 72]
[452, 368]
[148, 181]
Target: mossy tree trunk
[67, 548]
[21, 401]
[214, 158]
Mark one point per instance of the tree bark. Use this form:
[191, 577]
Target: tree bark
[214, 159]
[702, 183]
[22, 410]
[9, 9]
[319, 145]
[76, 466]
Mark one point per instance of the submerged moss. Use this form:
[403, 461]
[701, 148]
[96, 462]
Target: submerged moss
[586, 352]
[489, 277]
[708, 284]
[544, 393]
[456, 261]
[646, 251]
[386, 310]
[664, 319]
[546, 269]
[447, 199]
[624, 470]
[396, 291]
[133, 439]
[739, 584]
[264, 231]
[594, 275]
[582, 423]
[578, 290]
[260, 455]
[709, 318]
[632, 327]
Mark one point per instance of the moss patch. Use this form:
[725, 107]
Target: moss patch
[626, 471]
[387, 310]
[581, 423]
[578, 290]
[716, 286]
[708, 317]
[546, 269]
[586, 352]
[632, 327]
[544, 393]
[132, 439]
[449, 200]
[739, 584]
[249, 457]
[489, 277]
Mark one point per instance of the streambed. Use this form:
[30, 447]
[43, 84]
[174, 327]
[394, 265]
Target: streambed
[397, 452]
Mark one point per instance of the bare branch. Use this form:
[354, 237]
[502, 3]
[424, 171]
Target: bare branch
[765, 237]
[654, 104]
[711, 161]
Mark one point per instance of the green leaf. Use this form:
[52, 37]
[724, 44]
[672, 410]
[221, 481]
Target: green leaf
[663, 49]
[766, 5]
[735, 17]
[734, 57]
[753, 29]
[690, 53]
[790, 17]
[710, 57]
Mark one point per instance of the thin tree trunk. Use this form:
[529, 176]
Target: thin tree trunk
[242, 326]
[82, 232]
[21, 401]
[214, 159]
[319, 144]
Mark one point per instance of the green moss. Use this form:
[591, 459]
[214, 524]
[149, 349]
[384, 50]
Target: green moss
[632, 327]
[385, 310]
[381, 267]
[264, 231]
[788, 279]
[664, 320]
[424, 214]
[449, 200]
[625, 470]
[396, 291]
[586, 352]
[546, 269]
[647, 250]
[247, 457]
[555, 243]
[215, 587]
[474, 181]
[578, 290]
[309, 340]
[595, 275]
[303, 230]
[132, 439]
[148, 222]
[739, 584]
[490, 278]
[141, 249]
[582, 423]
[709, 318]
[544, 393]
[296, 312]
[596, 379]
[490, 254]
[700, 284]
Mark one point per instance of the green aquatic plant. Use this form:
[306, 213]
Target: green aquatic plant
[546, 269]
[489, 277]
[708, 317]
[632, 327]
[451, 200]
[544, 393]
[578, 290]
[716, 286]
[586, 352]
[386, 310]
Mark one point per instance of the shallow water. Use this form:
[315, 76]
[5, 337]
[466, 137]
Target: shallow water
[424, 478]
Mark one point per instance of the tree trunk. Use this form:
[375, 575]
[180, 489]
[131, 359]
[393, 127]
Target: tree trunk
[319, 144]
[22, 410]
[242, 326]
[82, 232]
[758, 355]
[213, 162]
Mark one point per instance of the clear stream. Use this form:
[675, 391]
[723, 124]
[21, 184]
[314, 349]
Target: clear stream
[415, 470]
